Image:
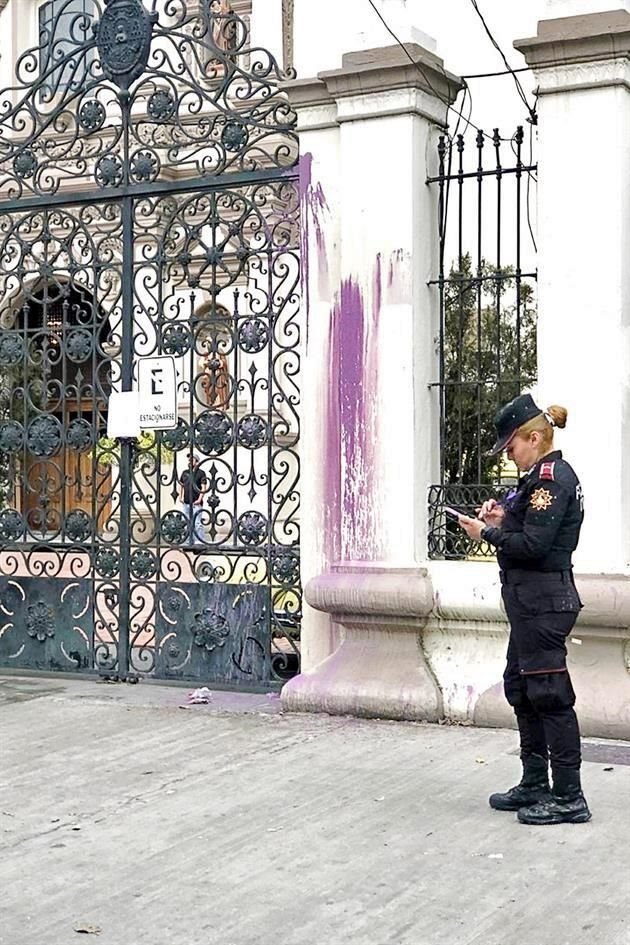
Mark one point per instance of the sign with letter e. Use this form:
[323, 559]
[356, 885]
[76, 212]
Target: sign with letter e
[157, 393]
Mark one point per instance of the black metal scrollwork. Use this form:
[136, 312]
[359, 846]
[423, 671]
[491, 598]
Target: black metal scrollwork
[149, 205]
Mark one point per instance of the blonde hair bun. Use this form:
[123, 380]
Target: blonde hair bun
[558, 415]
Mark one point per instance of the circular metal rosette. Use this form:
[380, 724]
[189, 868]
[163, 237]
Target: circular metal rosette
[25, 164]
[79, 345]
[177, 439]
[214, 432]
[210, 629]
[252, 432]
[44, 436]
[109, 171]
[40, 621]
[79, 435]
[252, 528]
[78, 526]
[234, 136]
[285, 567]
[11, 436]
[11, 348]
[143, 564]
[107, 562]
[92, 115]
[144, 167]
[161, 105]
[174, 528]
[253, 335]
[176, 340]
[173, 602]
[11, 525]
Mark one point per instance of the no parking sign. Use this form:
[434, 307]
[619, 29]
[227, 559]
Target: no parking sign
[157, 393]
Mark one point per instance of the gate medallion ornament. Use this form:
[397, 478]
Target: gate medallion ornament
[123, 37]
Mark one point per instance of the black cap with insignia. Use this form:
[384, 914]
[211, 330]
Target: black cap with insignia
[510, 418]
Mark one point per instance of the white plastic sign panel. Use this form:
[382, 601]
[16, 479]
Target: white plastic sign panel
[122, 414]
[157, 393]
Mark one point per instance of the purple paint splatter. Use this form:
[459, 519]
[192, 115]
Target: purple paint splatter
[399, 282]
[353, 531]
[395, 260]
[313, 207]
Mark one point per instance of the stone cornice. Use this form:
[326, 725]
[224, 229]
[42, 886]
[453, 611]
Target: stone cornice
[387, 68]
[374, 83]
[593, 37]
[308, 93]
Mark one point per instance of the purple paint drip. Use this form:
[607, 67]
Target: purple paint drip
[332, 448]
[353, 528]
[377, 290]
[352, 402]
[395, 261]
[313, 207]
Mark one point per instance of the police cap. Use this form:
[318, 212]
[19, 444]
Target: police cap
[510, 418]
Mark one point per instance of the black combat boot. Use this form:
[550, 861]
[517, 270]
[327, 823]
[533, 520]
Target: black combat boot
[534, 786]
[567, 804]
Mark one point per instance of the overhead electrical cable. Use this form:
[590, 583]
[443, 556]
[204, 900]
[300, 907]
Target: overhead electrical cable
[438, 95]
[511, 71]
[422, 72]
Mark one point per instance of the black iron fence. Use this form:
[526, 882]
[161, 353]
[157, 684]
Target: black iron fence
[487, 336]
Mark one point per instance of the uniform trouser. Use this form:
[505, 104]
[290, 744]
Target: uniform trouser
[542, 609]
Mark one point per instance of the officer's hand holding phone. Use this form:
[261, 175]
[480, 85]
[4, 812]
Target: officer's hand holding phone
[472, 526]
[491, 513]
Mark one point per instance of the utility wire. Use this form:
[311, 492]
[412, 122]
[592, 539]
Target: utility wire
[491, 75]
[530, 175]
[460, 113]
[519, 87]
[449, 107]
[417, 65]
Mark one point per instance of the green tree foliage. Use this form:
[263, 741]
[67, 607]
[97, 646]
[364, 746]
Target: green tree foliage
[489, 357]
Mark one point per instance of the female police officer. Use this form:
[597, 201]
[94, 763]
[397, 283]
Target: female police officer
[535, 530]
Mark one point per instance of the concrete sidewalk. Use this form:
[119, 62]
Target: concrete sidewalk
[236, 825]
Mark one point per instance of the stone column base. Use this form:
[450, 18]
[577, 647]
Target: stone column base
[379, 670]
[430, 646]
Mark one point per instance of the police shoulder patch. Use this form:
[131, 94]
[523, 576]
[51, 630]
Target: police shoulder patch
[541, 499]
[546, 471]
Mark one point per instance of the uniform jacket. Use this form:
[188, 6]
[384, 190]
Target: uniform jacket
[543, 517]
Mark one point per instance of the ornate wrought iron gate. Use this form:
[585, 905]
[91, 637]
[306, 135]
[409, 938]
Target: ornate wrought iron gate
[148, 206]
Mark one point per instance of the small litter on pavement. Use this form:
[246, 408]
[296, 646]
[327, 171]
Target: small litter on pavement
[200, 696]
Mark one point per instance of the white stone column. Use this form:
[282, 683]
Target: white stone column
[581, 66]
[319, 199]
[368, 135]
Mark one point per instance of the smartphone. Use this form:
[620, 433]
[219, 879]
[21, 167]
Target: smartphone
[455, 513]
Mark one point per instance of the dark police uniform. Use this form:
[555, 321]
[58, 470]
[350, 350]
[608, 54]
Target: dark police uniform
[540, 530]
